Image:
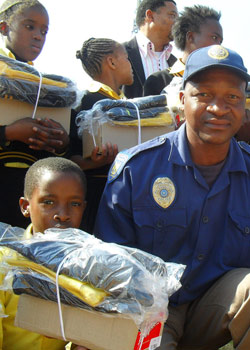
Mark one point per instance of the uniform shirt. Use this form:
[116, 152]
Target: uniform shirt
[157, 200]
[15, 338]
[152, 61]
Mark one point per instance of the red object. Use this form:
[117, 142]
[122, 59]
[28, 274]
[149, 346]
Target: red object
[152, 340]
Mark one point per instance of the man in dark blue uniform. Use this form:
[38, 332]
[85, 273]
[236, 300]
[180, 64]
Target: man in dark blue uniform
[185, 197]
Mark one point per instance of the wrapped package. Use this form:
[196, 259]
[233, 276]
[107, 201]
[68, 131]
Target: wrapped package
[90, 273]
[20, 81]
[141, 111]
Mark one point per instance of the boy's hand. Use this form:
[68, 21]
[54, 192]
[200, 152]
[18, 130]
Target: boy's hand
[49, 134]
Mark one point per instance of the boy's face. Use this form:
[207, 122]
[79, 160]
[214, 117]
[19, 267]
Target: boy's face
[58, 202]
[26, 34]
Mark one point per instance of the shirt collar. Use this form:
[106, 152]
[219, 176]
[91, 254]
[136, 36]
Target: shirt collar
[180, 153]
[96, 86]
[6, 52]
[145, 45]
[177, 68]
[28, 233]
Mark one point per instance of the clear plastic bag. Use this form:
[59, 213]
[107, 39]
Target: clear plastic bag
[20, 81]
[136, 283]
[141, 111]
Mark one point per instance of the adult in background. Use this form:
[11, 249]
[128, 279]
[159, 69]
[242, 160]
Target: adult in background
[197, 26]
[185, 196]
[150, 50]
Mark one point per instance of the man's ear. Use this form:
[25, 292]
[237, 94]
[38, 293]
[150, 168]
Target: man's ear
[149, 16]
[24, 206]
[4, 28]
[182, 99]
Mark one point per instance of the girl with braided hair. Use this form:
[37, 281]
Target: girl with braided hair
[106, 62]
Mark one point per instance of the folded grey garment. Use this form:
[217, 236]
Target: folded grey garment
[139, 102]
[11, 86]
[41, 286]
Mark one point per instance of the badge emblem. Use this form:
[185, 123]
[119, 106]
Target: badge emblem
[163, 191]
[218, 52]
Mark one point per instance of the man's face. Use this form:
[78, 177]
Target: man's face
[214, 105]
[58, 202]
[210, 33]
[27, 33]
[163, 20]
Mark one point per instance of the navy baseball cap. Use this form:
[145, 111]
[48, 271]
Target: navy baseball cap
[214, 56]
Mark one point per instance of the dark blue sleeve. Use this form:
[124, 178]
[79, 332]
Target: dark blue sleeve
[115, 219]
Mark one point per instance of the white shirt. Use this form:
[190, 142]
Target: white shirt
[152, 61]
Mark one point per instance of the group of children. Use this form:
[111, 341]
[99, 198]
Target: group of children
[34, 152]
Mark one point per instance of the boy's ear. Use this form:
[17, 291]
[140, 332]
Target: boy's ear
[190, 37]
[4, 28]
[24, 206]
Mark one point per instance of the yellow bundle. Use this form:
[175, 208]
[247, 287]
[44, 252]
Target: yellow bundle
[161, 120]
[8, 72]
[82, 290]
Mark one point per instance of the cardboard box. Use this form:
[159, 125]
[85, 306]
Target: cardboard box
[12, 110]
[123, 136]
[94, 330]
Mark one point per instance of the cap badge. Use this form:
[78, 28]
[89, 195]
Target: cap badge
[163, 191]
[218, 52]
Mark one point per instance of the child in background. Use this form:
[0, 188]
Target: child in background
[106, 62]
[54, 196]
[24, 26]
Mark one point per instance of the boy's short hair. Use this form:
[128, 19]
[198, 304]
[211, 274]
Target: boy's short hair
[145, 5]
[54, 164]
[190, 20]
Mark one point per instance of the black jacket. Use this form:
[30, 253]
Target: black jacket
[136, 89]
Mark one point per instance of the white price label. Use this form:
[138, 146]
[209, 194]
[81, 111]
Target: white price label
[155, 343]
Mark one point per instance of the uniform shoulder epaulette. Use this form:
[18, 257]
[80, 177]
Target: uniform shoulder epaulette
[245, 146]
[124, 156]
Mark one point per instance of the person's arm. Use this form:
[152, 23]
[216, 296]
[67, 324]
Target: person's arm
[115, 218]
[97, 159]
[38, 134]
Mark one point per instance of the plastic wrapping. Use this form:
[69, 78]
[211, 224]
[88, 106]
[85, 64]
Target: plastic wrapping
[136, 283]
[143, 111]
[20, 81]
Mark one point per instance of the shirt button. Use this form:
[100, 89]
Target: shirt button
[247, 230]
[159, 224]
[205, 219]
[200, 257]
